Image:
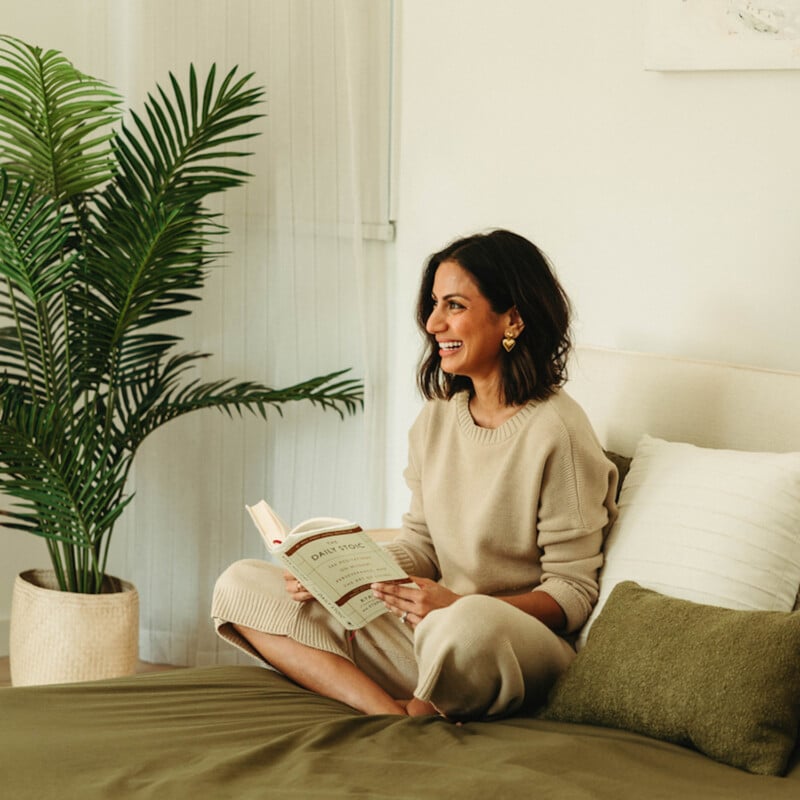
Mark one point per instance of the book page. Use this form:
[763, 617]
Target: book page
[271, 527]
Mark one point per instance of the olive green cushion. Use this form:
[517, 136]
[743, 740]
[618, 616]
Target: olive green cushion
[724, 681]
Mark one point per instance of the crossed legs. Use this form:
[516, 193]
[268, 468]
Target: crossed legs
[477, 659]
[329, 674]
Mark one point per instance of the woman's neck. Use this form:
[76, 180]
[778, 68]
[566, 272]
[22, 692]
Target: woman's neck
[488, 408]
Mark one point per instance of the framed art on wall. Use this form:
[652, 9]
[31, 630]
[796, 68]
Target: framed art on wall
[722, 34]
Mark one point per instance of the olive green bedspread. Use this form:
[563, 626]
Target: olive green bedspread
[245, 732]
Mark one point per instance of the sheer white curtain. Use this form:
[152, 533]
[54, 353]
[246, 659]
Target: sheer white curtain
[302, 293]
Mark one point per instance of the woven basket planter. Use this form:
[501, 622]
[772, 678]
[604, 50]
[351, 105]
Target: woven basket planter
[65, 637]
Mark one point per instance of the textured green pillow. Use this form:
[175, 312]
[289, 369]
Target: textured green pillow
[726, 682]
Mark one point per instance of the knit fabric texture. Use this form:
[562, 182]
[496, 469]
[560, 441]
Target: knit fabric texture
[510, 509]
[726, 682]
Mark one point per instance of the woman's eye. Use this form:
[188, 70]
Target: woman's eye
[452, 305]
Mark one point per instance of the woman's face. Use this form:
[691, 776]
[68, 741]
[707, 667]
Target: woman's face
[468, 331]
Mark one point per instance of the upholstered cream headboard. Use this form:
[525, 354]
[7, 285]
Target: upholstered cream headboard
[628, 394]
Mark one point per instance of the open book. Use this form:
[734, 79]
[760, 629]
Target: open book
[334, 559]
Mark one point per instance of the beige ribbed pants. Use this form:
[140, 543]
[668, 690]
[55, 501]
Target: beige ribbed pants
[477, 659]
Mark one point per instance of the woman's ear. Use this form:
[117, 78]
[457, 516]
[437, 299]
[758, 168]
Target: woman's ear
[515, 322]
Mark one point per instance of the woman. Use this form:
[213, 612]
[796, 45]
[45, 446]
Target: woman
[511, 495]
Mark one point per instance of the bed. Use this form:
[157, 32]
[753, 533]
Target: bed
[246, 732]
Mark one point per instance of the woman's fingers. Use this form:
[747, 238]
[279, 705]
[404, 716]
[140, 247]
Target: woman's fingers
[425, 596]
[295, 588]
[408, 590]
[403, 600]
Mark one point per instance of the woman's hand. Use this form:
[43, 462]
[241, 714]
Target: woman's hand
[295, 589]
[413, 603]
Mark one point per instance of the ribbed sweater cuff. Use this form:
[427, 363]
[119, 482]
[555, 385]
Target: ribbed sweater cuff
[401, 556]
[575, 608]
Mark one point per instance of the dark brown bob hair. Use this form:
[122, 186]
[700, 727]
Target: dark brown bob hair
[509, 271]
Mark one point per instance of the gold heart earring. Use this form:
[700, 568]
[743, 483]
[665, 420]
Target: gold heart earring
[509, 342]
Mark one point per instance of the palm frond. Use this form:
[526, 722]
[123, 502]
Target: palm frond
[181, 156]
[166, 398]
[55, 126]
[32, 239]
[38, 272]
[153, 238]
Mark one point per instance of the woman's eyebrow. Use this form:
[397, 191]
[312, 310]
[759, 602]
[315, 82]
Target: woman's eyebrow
[451, 296]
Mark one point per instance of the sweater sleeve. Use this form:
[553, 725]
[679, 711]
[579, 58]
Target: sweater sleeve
[576, 507]
[413, 548]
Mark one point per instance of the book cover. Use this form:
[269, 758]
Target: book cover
[334, 559]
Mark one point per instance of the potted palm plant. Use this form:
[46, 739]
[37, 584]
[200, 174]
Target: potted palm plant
[104, 240]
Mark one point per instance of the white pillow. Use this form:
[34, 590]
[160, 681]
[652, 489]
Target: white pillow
[720, 527]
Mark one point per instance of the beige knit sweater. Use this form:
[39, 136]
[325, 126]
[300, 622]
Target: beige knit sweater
[510, 509]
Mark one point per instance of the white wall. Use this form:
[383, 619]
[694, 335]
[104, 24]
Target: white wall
[668, 202]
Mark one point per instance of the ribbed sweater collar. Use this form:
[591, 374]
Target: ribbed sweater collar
[490, 435]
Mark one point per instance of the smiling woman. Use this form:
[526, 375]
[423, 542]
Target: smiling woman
[501, 289]
[511, 493]
[467, 330]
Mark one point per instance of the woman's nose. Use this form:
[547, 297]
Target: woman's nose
[435, 322]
